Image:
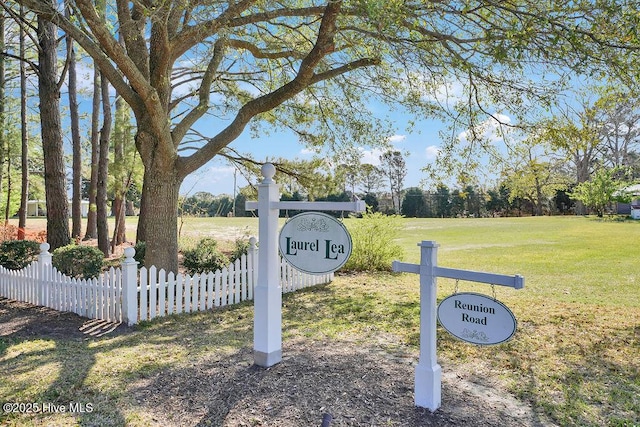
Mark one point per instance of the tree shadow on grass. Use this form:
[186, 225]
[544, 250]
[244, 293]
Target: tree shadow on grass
[59, 341]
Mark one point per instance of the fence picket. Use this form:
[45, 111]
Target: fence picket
[143, 293]
[244, 277]
[194, 292]
[171, 292]
[153, 291]
[187, 294]
[210, 291]
[101, 298]
[162, 283]
[202, 291]
[224, 287]
[117, 284]
[236, 282]
[217, 289]
[179, 292]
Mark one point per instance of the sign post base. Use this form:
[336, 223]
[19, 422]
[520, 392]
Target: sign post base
[428, 386]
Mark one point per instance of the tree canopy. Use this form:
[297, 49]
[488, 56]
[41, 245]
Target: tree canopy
[315, 66]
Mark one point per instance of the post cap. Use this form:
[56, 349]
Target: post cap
[129, 253]
[268, 171]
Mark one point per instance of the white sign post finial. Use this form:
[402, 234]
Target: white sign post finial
[268, 171]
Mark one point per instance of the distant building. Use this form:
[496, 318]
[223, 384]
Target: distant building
[39, 207]
[632, 208]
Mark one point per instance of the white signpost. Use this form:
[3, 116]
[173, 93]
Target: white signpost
[428, 376]
[267, 323]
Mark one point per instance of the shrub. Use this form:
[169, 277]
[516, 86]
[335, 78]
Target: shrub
[204, 257]
[373, 247]
[141, 250]
[78, 261]
[241, 248]
[17, 254]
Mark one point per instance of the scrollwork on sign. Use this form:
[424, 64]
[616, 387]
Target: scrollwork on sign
[313, 224]
[475, 335]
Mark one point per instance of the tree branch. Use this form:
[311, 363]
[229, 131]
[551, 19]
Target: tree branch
[185, 124]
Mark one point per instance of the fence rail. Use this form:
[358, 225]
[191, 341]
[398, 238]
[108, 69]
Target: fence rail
[131, 294]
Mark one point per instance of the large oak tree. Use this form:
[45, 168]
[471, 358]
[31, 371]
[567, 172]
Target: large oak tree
[311, 66]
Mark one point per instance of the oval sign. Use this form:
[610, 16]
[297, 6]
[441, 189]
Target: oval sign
[476, 318]
[315, 243]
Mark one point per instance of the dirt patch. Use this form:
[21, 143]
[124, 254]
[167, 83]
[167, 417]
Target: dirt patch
[354, 384]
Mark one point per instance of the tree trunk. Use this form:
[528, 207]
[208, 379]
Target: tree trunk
[92, 228]
[160, 218]
[583, 163]
[130, 208]
[9, 189]
[24, 194]
[120, 175]
[103, 171]
[119, 235]
[52, 145]
[539, 198]
[3, 151]
[76, 197]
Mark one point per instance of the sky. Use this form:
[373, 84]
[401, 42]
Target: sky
[217, 176]
[422, 145]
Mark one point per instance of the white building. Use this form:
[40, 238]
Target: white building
[39, 207]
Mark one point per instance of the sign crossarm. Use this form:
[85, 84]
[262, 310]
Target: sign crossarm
[516, 281]
[405, 267]
[357, 206]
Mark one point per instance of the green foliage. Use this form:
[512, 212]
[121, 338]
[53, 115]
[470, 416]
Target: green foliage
[17, 254]
[241, 248]
[78, 261]
[600, 191]
[204, 203]
[374, 246]
[141, 250]
[414, 203]
[204, 257]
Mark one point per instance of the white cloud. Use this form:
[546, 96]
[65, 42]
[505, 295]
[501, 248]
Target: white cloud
[308, 152]
[432, 152]
[491, 130]
[371, 157]
[397, 138]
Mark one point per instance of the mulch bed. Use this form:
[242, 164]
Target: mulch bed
[357, 385]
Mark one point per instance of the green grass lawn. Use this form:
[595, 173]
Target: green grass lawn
[575, 356]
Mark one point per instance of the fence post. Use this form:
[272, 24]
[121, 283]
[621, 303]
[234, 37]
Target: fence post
[44, 264]
[129, 287]
[428, 377]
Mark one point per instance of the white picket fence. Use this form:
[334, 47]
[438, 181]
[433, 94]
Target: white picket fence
[130, 294]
